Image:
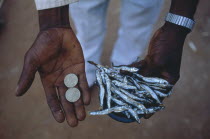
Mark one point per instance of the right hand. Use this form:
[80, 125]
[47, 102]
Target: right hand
[55, 53]
[164, 55]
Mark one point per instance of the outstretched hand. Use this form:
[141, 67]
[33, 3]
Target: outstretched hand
[164, 55]
[55, 53]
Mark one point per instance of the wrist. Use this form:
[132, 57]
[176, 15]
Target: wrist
[55, 17]
[176, 29]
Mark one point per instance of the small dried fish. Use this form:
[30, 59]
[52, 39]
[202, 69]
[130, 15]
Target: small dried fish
[169, 93]
[140, 95]
[102, 90]
[97, 65]
[152, 79]
[103, 75]
[150, 110]
[128, 92]
[116, 109]
[108, 86]
[107, 70]
[141, 100]
[135, 83]
[152, 93]
[116, 76]
[127, 114]
[141, 92]
[157, 85]
[128, 99]
[125, 80]
[119, 102]
[155, 109]
[134, 114]
[160, 94]
[123, 85]
[125, 68]
[157, 88]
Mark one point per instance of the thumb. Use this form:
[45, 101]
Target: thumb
[139, 64]
[145, 69]
[28, 73]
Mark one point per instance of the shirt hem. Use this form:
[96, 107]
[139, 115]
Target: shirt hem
[48, 5]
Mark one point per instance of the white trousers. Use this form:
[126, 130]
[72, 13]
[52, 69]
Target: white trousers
[137, 18]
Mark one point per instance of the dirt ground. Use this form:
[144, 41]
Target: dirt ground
[187, 113]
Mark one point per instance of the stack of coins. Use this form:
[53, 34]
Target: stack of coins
[72, 94]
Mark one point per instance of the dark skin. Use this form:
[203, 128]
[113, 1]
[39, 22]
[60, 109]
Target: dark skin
[165, 49]
[164, 55]
[57, 52]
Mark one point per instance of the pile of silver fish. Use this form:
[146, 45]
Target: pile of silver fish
[123, 90]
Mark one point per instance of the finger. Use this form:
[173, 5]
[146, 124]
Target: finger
[142, 63]
[54, 104]
[27, 75]
[68, 108]
[83, 86]
[80, 109]
[143, 67]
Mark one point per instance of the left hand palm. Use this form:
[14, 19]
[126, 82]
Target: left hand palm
[55, 53]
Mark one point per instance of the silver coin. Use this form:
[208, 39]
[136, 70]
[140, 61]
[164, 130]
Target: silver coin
[72, 94]
[70, 80]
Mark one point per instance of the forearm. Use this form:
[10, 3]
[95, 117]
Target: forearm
[54, 17]
[185, 8]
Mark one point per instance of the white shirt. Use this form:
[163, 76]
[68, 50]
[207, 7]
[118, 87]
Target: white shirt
[46, 4]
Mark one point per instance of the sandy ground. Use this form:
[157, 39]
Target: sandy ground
[187, 113]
